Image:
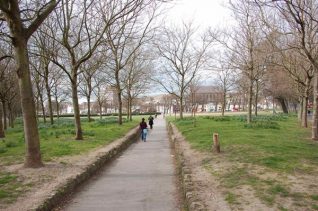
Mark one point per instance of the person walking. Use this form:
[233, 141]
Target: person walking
[150, 120]
[143, 129]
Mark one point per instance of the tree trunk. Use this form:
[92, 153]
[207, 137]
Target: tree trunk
[33, 155]
[223, 103]
[314, 129]
[282, 102]
[128, 110]
[304, 120]
[256, 98]
[48, 93]
[130, 107]
[43, 108]
[120, 107]
[1, 124]
[4, 110]
[100, 110]
[89, 108]
[181, 107]
[250, 99]
[57, 107]
[300, 109]
[10, 115]
[79, 132]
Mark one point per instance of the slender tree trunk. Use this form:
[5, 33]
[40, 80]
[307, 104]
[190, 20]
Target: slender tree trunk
[282, 102]
[57, 107]
[32, 140]
[120, 107]
[4, 110]
[2, 135]
[304, 121]
[10, 115]
[256, 97]
[314, 129]
[89, 108]
[300, 109]
[128, 110]
[48, 93]
[43, 108]
[79, 132]
[181, 107]
[130, 107]
[250, 103]
[223, 103]
[100, 109]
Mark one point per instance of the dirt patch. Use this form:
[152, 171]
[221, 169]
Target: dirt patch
[205, 186]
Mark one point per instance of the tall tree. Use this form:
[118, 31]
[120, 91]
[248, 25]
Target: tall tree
[300, 21]
[243, 43]
[14, 13]
[90, 70]
[124, 38]
[182, 58]
[225, 82]
[137, 78]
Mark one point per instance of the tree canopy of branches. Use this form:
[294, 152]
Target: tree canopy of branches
[182, 58]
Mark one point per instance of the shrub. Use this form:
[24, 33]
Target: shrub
[3, 150]
[219, 118]
[88, 133]
[263, 124]
[11, 144]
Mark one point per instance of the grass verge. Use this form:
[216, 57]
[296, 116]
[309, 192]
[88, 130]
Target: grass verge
[261, 156]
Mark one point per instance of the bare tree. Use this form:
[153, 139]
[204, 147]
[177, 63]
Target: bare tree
[101, 93]
[225, 82]
[300, 22]
[39, 88]
[14, 13]
[42, 51]
[90, 70]
[243, 44]
[124, 38]
[137, 79]
[182, 58]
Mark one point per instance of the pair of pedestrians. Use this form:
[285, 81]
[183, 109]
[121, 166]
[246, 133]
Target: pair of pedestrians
[144, 127]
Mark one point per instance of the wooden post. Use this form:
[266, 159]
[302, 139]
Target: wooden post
[216, 143]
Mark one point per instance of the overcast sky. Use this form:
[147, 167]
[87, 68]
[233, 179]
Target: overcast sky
[203, 12]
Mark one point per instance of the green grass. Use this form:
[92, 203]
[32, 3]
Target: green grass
[10, 187]
[231, 198]
[276, 143]
[58, 140]
[286, 148]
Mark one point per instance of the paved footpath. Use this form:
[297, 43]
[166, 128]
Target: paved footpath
[141, 179]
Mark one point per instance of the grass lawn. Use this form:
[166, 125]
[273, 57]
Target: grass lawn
[263, 156]
[56, 141]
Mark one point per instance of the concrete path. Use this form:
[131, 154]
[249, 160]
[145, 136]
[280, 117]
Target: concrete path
[141, 179]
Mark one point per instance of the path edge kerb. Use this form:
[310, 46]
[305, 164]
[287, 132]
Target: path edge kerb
[193, 203]
[89, 170]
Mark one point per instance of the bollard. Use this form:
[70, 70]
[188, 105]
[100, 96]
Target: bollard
[216, 143]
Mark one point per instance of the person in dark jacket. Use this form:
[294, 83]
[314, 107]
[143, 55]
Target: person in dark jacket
[143, 129]
[150, 121]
